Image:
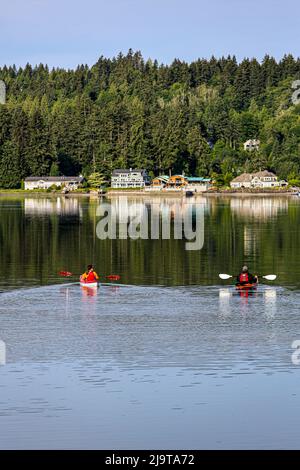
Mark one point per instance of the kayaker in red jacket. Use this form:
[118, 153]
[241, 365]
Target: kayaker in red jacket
[90, 275]
[245, 277]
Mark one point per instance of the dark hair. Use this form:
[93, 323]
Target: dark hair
[90, 266]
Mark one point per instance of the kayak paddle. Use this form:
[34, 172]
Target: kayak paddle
[269, 277]
[111, 277]
[66, 274]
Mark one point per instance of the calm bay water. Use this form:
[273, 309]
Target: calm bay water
[175, 358]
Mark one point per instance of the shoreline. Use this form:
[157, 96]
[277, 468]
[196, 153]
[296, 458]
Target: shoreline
[44, 194]
[202, 193]
[177, 194]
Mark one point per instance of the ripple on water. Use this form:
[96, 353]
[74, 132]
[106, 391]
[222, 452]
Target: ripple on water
[93, 361]
[138, 326]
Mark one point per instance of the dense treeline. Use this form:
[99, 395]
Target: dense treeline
[127, 112]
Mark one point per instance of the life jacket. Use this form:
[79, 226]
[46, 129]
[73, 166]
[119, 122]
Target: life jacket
[91, 277]
[244, 277]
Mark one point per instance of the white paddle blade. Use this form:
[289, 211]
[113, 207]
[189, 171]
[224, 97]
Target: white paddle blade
[270, 277]
[225, 276]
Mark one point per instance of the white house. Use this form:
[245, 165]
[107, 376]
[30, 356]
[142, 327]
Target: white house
[242, 181]
[261, 179]
[132, 178]
[252, 144]
[180, 183]
[198, 184]
[45, 182]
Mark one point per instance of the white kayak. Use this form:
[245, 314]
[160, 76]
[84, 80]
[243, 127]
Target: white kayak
[88, 284]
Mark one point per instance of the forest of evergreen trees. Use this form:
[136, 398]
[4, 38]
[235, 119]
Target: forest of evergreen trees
[126, 112]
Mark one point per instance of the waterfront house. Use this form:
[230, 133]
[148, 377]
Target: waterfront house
[266, 179]
[188, 183]
[158, 183]
[45, 182]
[176, 182]
[198, 183]
[260, 179]
[241, 181]
[132, 178]
[252, 144]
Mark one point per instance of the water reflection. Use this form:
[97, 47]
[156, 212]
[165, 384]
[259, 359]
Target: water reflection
[225, 295]
[66, 295]
[114, 351]
[62, 206]
[83, 369]
[88, 291]
[42, 236]
[251, 244]
[125, 207]
[259, 207]
[246, 293]
[270, 297]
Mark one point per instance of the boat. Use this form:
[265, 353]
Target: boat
[90, 285]
[247, 286]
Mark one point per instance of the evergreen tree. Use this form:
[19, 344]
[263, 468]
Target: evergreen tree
[9, 166]
[125, 112]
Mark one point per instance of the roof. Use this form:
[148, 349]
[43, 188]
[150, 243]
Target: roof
[243, 178]
[252, 142]
[247, 177]
[163, 178]
[198, 179]
[56, 179]
[264, 173]
[131, 170]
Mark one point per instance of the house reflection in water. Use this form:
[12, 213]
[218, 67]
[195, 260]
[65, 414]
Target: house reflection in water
[60, 206]
[127, 206]
[259, 207]
[155, 214]
[251, 246]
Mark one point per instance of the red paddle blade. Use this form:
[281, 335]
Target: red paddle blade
[65, 273]
[113, 277]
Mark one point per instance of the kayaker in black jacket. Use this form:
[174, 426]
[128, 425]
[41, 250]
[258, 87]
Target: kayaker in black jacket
[245, 277]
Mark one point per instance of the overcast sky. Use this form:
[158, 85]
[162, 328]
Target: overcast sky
[70, 32]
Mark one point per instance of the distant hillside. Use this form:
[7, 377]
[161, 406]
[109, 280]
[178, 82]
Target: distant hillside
[125, 112]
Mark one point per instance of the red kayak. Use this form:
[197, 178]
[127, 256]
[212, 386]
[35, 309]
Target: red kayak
[246, 286]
